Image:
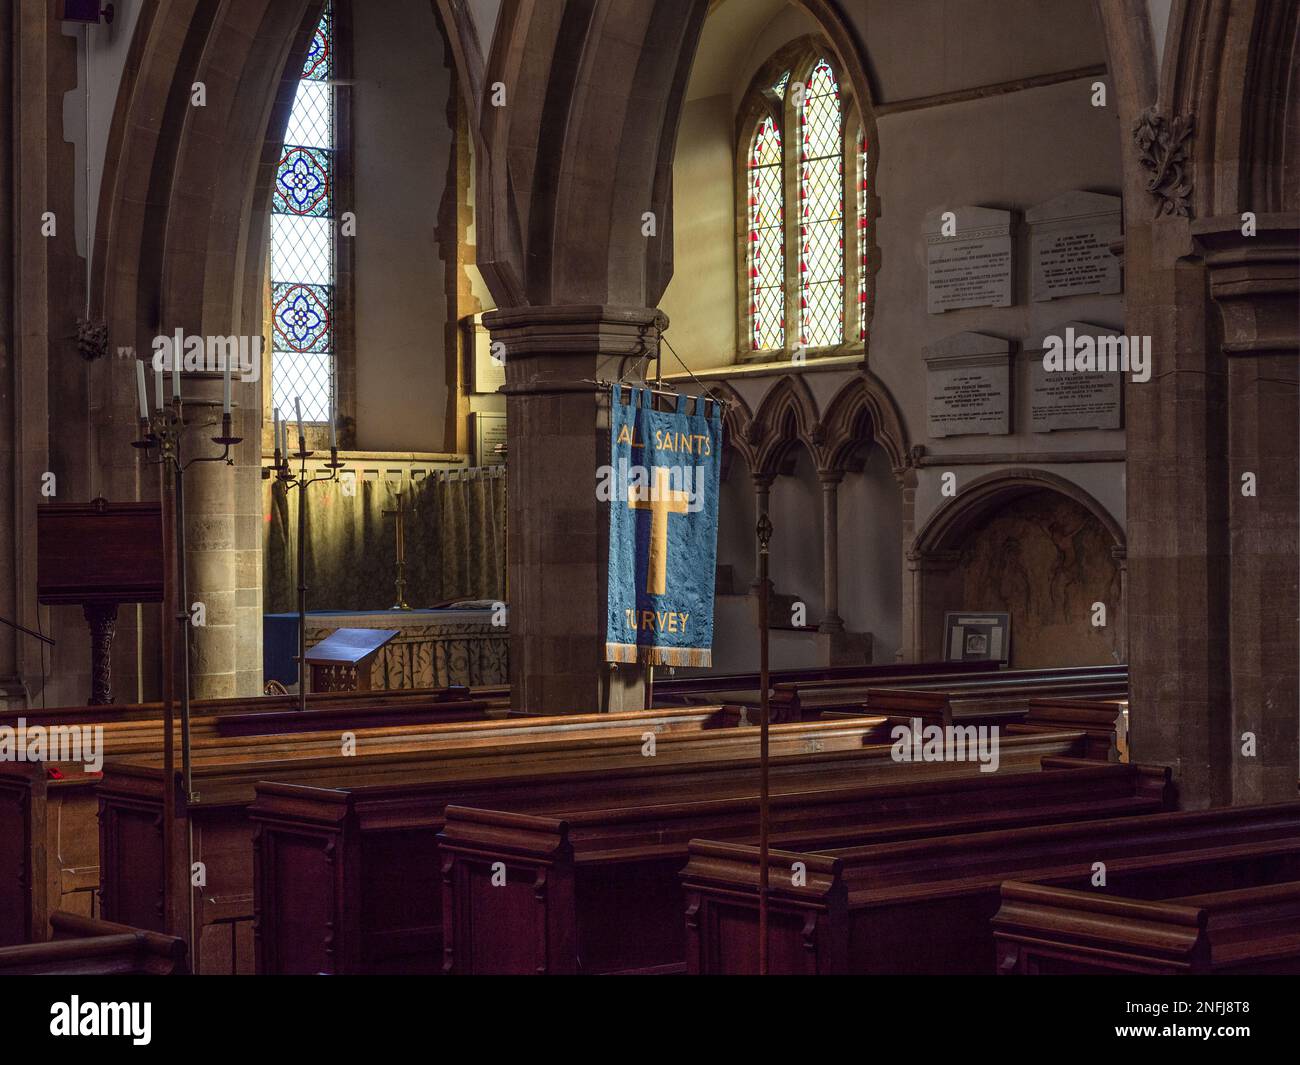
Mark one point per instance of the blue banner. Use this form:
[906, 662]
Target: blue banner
[662, 489]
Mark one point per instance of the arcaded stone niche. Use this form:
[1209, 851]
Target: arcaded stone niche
[1046, 560]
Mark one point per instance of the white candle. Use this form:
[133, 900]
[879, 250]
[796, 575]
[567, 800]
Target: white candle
[158, 389]
[334, 444]
[225, 395]
[176, 374]
[302, 436]
[144, 392]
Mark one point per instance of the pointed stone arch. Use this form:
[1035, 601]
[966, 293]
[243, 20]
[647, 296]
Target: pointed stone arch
[864, 409]
[787, 416]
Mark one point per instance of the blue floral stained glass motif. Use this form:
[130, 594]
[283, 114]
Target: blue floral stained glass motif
[320, 53]
[302, 242]
[301, 314]
[303, 182]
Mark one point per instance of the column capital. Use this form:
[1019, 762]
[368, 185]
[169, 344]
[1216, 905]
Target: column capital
[1253, 281]
[577, 329]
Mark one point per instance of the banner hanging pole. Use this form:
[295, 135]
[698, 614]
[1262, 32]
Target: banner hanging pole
[764, 531]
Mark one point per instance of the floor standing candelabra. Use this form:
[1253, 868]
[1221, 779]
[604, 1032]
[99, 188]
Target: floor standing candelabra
[161, 435]
[302, 481]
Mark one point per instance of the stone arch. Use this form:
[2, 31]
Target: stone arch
[948, 525]
[559, 211]
[183, 206]
[1231, 67]
[935, 581]
[786, 417]
[737, 423]
[864, 409]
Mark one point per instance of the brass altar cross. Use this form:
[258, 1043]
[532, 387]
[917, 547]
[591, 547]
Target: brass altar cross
[661, 501]
[399, 516]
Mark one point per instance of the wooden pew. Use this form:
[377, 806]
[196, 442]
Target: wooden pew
[82, 946]
[613, 901]
[49, 814]
[70, 834]
[130, 795]
[1044, 930]
[712, 687]
[809, 699]
[925, 906]
[496, 697]
[348, 877]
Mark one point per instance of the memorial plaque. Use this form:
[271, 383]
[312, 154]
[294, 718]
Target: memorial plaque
[487, 374]
[1072, 399]
[968, 259]
[1069, 246]
[488, 430]
[968, 386]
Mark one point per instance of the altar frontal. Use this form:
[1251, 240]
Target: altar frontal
[662, 489]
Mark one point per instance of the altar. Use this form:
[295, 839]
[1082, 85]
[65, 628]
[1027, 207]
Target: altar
[433, 648]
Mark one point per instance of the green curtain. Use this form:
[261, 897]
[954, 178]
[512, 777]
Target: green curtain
[455, 542]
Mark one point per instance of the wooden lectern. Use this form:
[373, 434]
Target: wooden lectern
[98, 555]
[341, 662]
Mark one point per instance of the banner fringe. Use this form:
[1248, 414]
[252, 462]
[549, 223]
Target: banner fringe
[697, 657]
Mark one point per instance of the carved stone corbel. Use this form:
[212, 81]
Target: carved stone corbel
[1162, 150]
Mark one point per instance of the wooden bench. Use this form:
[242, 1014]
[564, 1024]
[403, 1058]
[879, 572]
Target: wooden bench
[711, 687]
[49, 824]
[1044, 930]
[811, 698]
[613, 902]
[131, 871]
[925, 906]
[82, 946]
[348, 877]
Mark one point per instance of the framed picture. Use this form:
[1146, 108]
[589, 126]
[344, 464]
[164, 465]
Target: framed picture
[977, 637]
[488, 430]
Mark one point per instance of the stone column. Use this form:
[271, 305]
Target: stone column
[1253, 286]
[1177, 507]
[558, 361]
[831, 621]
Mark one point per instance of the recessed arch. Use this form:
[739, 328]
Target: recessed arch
[946, 529]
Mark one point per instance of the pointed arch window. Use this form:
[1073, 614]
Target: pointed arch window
[767, 237]
[821, 212]
[806, 274]
[303, 262]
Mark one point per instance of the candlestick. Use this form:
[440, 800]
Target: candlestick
[158, 389]
[225, 394]
[144, 392]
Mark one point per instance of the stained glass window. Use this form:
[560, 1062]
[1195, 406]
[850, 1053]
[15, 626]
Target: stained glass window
[766, 239]
[862, 234]
[302, 242]
[821, 212]
[783, 81]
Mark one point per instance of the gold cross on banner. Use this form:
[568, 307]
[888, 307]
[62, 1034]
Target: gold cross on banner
[660, 500]
[399, 516]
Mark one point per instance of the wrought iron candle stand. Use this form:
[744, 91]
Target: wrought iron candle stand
[160, 440]
[161, 433]
[300, 480]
